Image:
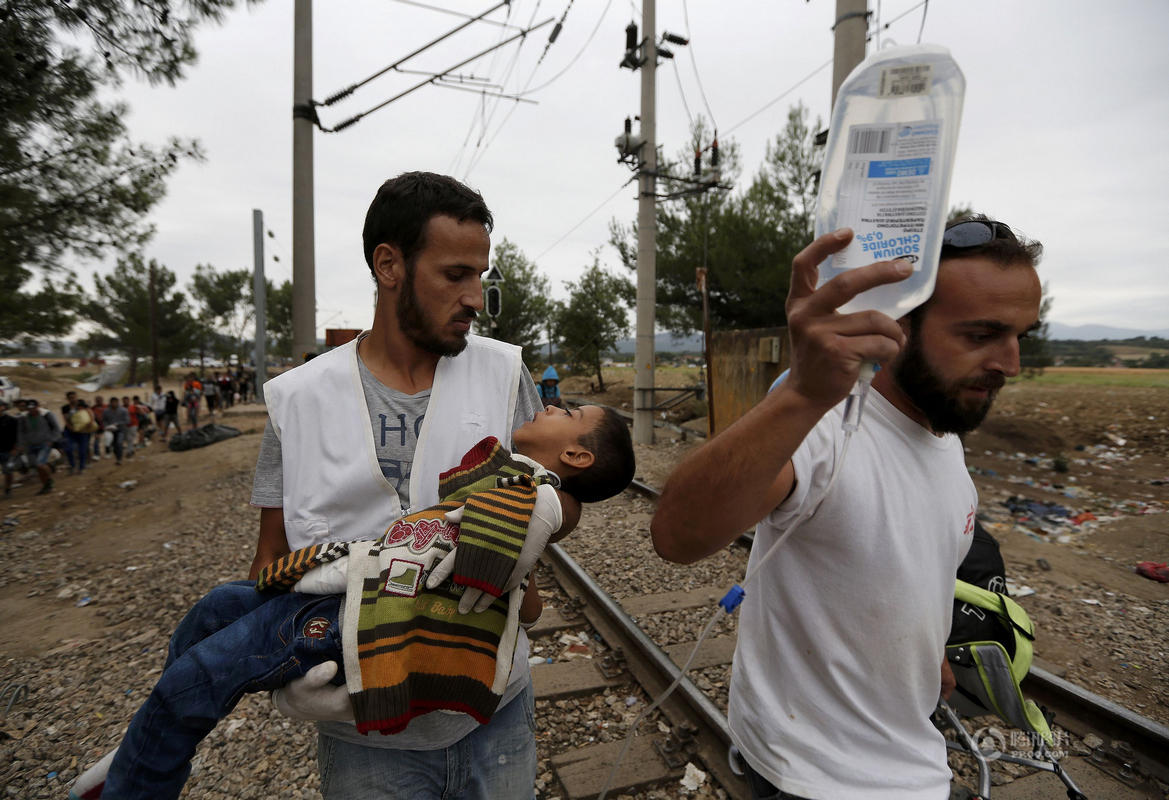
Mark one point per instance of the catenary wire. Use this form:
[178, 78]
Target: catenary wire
[454, 13]
[682, 93]
[584, 219]
[694, 63]
[925, 7]
[576, 57]
[475, 152]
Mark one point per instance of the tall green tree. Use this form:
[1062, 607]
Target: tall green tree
[224, 308]
[746, 240]
[278, 315]
[120, 312]
[594, 317]
[72, 183]
[526, 301]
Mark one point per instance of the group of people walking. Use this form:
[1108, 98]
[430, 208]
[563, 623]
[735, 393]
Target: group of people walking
[34, 438]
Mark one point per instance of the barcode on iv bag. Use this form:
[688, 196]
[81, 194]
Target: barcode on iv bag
[905, 81]
[867, 141]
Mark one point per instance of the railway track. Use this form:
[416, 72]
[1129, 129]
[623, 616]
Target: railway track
[622, 666]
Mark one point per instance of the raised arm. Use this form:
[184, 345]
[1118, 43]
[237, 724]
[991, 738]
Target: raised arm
[743, 473]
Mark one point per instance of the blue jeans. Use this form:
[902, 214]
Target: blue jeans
[496, 761]
[235, 640]
[77, 449]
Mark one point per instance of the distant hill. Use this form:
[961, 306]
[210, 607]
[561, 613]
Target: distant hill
[1087, 333]
[665, 343]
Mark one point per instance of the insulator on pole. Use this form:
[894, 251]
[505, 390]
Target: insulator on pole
[631, 37]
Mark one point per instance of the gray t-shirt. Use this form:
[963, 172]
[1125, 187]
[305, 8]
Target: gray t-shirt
[396, 419]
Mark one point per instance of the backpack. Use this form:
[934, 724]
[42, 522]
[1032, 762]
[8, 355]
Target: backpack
[989, 648]
[82, 421]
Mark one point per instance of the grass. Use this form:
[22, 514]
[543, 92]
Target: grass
[1101, 376]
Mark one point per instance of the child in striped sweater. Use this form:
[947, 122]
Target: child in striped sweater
[422, 624]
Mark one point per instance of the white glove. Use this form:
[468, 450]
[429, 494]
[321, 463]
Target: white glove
[313, 697]
[327, 578]
[546, 520]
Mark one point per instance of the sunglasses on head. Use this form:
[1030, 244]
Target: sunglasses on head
[975, 233]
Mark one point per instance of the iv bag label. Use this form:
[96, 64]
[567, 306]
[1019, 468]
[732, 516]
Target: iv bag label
[905, 81]
[885, 191]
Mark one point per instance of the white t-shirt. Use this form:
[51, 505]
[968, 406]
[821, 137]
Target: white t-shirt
[842, 633]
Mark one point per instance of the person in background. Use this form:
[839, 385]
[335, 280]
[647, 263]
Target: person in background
[158, 408]
[549, 388]
[98, 409]
[75, 442]
[131, 441]
[211, 393]
[8, 426]
[170, 416]
[36, 432]
[117, 421]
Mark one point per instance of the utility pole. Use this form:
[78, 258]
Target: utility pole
[304, 284]
[851, 28]
[153, 325]
[643, 376]
[260, 292]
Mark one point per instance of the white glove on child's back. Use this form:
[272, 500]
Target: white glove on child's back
[547, 518]
[314, 698]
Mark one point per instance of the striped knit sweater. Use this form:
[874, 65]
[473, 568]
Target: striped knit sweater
[407, 650]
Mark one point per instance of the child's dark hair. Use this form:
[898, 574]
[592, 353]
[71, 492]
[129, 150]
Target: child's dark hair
[613, 462]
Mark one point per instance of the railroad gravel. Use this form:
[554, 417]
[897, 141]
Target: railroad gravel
[68, 703]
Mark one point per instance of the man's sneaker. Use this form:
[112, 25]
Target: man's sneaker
[48, 487]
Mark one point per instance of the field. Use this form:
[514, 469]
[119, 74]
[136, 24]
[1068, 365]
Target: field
[99, 571]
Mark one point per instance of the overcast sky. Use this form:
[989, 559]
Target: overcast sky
[1063, 134]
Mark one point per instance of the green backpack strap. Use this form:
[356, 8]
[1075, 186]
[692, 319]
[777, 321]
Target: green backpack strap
[996, 675]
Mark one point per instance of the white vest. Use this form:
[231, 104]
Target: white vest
[334, 489]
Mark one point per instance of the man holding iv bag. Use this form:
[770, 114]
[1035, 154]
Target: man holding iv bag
[837, 666]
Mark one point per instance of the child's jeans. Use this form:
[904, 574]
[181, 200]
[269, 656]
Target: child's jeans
[235, 640]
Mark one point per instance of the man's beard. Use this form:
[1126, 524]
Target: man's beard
[422, 331]
[939, 401]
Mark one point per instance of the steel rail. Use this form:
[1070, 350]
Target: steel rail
[642, 654]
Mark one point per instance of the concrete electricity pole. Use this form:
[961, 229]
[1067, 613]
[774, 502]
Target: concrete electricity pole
[304, 283]
[851, 28]
[643, 376]
[259, 290]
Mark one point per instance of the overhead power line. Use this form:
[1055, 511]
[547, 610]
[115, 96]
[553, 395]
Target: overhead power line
[333, 98]
[358, 117]
[585, 219]
[694, 63]
[454, 13]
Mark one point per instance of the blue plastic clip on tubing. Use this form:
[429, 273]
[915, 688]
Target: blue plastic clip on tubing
[732, 598]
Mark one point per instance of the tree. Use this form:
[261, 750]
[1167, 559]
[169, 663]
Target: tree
[278, 313]
[225, 307]
[121, 311]
[594, 317]
[527, 305]
[746, 240]
[71, 182]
